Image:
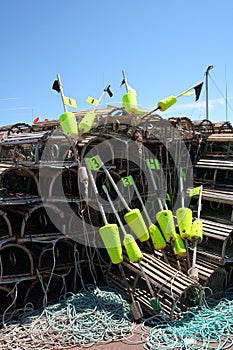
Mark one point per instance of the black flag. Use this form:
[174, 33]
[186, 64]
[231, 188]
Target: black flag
[56, 86]
[197, 89]
[123, 82]
[107, 89]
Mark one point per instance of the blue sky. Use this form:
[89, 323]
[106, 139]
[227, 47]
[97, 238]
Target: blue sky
[164, 46]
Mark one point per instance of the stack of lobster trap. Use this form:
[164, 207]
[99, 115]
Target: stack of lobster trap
[47, 214]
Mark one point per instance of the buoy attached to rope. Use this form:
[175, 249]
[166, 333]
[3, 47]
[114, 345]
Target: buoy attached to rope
[179, 247]
[158, 241]
[134, 253]
[129, 102]
[197, 230]
[134, 217]
[111, 239]
[132, 249]
[157, 238]
[184, 221]
[68, 123]
[86, 122]
[166, 222]
[166, 103]
[136, 223]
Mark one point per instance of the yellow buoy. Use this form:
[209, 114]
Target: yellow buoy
[179, 247]
[166, 103]
[197, 230]
[111, 239]
[166, 223]
[129, 102]
[133, 251]
[135, 221]
[184, 220]
[158, 241]
[87, 121]
[68, 123]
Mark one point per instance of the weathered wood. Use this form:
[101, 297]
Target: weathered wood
[225, 137]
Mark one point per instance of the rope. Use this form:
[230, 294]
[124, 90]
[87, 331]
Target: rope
[94, 315]
[207, 327]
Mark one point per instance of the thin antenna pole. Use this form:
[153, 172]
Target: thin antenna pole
[206, 89]
[125, 80]
[226, 93]
[61, 92]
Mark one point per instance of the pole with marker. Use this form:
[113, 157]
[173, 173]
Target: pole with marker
[111, 238]
[133, 217]
[184, 217]
[158, 241]
[196, 237]
[129, 99]
[166, 222]
[134, 253]
[61, 92]
[169, 101]
[67, 120]
[87, 121]
[109, 232]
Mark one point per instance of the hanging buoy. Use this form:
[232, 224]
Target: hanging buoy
[129, 102]
[166, 103]
[184, 220]
[179, 247]
[135, 221]
[155, 234]
[86, 123]
[111, 239]
[166, 223]
[158, 241]
[197, 230]
[68, 123]
[133, 251]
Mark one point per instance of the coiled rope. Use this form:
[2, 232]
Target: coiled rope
[100, 315]
[207, 327]
[93, 315]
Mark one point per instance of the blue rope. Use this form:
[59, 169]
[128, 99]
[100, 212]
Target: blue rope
[93, 315]
[207, 327]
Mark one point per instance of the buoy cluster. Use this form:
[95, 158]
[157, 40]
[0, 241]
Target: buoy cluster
[163, 254]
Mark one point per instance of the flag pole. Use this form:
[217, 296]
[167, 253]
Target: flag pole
[61, 92]
[192, 87]
[125, 80]
[106, 89]
[169, 101]
[150, 112]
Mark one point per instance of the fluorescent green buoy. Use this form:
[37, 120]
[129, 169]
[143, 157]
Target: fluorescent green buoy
[166, 223]
[86, 122]
[184, 220]
[68, 123]
[166, 103]
[158, 241]
[111, 239]
[179, 247]
[129, 102]
[133, 251]
[197, 230]
[135, 221]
